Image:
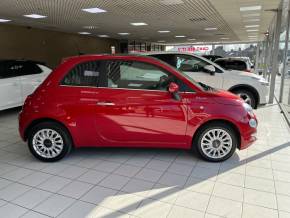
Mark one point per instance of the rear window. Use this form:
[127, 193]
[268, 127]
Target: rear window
[84, 74]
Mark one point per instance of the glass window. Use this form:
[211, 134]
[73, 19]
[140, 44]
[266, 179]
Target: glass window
[84, 74]
[30, 68]
[9, 69]
[139, 75]
[232, 64]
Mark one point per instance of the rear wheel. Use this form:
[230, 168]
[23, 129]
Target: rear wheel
[49, 141]
[247, 96]
[215, 142]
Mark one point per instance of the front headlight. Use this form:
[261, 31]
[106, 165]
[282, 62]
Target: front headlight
[249, 109]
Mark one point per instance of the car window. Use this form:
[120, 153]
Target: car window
[9, 69]
[188, 63]
[232, 64]
[30, 68]
[84, 74]
[139, 75]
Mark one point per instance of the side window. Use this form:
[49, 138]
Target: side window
[236, 65]
[30, 69]
[188, 63]
[167, 58]
[136, 75]
[139, 75]
[84, 74]
[9, 69]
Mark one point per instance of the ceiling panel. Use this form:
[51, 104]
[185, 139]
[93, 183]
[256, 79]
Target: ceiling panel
[181, 17]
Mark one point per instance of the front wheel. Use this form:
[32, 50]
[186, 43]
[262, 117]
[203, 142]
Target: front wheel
[49, 141]
[215, 142]
[247, 96]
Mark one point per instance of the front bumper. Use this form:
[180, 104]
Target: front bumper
[263, 91]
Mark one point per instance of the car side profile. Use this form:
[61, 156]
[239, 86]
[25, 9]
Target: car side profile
[132, 101]
[252, 88]
[18, 79]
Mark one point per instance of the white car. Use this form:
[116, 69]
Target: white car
[18, 79]
[250, 87]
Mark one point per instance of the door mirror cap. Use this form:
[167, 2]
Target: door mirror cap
[173, 88]
[210, 69]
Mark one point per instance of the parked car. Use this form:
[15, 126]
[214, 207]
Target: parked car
[133, 101]
[236, 63]
[252, 88]
[18, 79]
[211, 57]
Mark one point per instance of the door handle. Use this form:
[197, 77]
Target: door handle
[104, 103]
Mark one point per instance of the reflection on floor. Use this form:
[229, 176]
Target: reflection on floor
[148, 183]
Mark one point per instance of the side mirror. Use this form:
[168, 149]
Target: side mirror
[173, 88]
[210, 69]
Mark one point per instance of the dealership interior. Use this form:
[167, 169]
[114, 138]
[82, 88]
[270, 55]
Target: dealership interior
[191, 120]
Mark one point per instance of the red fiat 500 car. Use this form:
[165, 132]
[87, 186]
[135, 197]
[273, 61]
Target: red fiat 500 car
[132, 101]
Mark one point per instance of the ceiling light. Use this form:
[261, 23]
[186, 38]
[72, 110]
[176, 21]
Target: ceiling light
[163, 31]
[90, 27]
[180, 36]
[171, 2]
[124, 34]
[94, 10]
[211, 28]
[103, 36]
[84, 33]
[251, 20]
[252, 30]
[251, 8]
[35, 16]
[251, 15]
[161, 41]
[191, 39]
[224, 38]
[4, 20]
[251, 26]
[139, 24]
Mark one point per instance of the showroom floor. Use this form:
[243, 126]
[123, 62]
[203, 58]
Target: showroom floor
[148, 183]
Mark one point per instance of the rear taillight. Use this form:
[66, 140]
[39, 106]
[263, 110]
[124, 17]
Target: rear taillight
[248, 71]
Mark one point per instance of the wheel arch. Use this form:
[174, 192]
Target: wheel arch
[249, 88]
[42, 120]
[215, 121]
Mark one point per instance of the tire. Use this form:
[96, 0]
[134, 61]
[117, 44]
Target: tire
[245, 94]
[49, 141]
[229, 137]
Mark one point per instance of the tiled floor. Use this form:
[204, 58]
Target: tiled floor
[148, 183]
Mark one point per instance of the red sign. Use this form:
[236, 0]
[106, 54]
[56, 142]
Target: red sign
[193, 49]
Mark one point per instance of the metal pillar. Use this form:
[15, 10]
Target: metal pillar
[257, 56]
[275, 56]
[266, 56]
[285, 55]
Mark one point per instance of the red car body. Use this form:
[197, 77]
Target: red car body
[137, 118]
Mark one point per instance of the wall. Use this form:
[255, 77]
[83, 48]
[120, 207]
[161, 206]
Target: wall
[17, 42]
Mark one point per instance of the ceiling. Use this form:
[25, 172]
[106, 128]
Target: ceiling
[181, 17]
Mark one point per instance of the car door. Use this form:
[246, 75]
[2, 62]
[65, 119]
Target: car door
[10, 87]
[194, 67]
[135, 108]
[31, 77]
